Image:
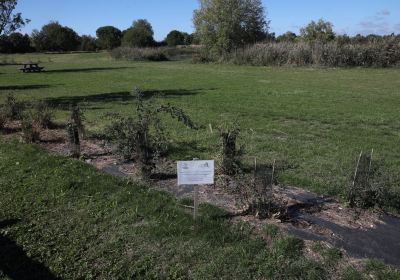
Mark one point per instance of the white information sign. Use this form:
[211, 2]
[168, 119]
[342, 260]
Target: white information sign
[196, 172]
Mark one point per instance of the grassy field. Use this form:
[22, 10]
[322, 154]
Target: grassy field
[62, 219]
[312, 121]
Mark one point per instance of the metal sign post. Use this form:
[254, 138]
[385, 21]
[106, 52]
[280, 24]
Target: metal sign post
[195, 173]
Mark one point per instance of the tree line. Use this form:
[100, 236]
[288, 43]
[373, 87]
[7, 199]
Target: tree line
[53, 37]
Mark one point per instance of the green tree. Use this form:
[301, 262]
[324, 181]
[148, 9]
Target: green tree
[175, 38]
[139, 35]
[108, 37]
[20, 43]
[287, 37]
[189, 38]
[5, 45]
[318, 31]
[55, 37]
[223, 25]
[88, 43]
[10, 21]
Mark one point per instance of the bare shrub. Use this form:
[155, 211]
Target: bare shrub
[43, 114]
[73, 139]
[13, 108]
[256, 193]
[3, 118]
[372, 184]
[230, 153]
[77, 118]
[75, 130]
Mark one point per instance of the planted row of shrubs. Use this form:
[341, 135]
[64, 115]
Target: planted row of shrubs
[331, 54]
[144, 140]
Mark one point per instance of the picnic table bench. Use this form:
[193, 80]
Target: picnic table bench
[29, 67]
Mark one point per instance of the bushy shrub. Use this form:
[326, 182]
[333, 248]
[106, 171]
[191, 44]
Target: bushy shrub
[143, 138]
[156, 53]
[201, 58]
[139, 54]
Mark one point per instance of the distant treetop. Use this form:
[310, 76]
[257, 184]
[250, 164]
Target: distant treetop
[108, 37]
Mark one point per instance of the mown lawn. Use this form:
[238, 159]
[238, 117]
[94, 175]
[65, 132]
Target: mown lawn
[62, 219]
[314, 122]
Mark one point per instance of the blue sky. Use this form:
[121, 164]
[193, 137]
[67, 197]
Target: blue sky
[85, 16]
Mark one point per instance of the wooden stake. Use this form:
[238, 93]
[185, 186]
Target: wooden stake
[196, 202]
[355, 173]
[370, 165]
[354, 181]
[273, 173]
[196, 199]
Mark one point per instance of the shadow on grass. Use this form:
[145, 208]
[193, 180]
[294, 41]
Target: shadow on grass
[183, 149]
[123, 96]
[14, 262]
[23, 87]
[80, 70]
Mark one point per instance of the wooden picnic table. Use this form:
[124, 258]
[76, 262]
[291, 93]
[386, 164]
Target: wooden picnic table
[29, 67]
